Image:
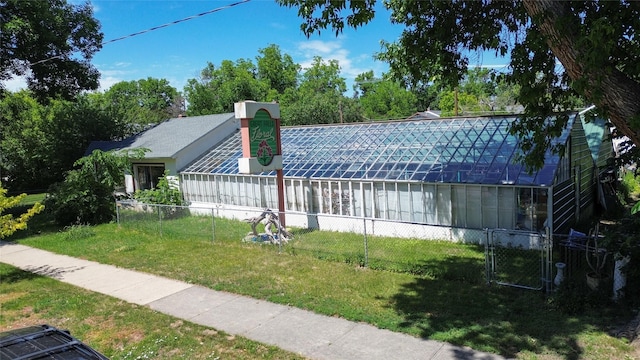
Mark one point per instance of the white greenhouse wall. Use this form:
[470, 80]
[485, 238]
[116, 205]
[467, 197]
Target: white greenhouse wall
[457, 212]
[376, 227]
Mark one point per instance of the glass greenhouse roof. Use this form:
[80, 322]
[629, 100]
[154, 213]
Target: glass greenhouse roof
[462, 150]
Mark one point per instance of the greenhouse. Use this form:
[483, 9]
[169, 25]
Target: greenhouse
[450, 176]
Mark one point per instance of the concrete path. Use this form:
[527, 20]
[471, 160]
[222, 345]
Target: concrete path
[299, 331]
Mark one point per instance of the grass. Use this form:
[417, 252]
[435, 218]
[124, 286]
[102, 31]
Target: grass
[31, 199]
[115, 328]
[439, 301]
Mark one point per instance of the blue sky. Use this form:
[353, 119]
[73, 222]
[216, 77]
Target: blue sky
[179, 52]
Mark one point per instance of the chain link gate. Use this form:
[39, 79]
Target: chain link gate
[519, 259]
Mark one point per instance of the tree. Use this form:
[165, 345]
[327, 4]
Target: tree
[595, 42]
[86, 196]
[278, 71]
[40, 143]
[319, 99]
[384, 99]
[70, 126]
[139, 103]
[51, 43]
[465, 102]
[323, 77]
[219, 88]
[23, 143]
[481, 90]
[10, 224]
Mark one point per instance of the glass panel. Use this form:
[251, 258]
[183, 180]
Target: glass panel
[404, 202]
[473, 202]
[361, 148]
[506, 210]
[381, 206]
[444, 207]
[489, 207]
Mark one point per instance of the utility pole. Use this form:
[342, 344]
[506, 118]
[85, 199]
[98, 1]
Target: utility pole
[455, 101]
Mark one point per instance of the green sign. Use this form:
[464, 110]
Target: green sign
[262, 137]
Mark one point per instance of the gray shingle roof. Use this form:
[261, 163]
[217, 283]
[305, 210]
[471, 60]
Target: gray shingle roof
[166, 139]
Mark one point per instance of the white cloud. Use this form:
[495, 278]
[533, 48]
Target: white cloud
[108, 81]
[315, 47]
[122, 64]
[16, 84]
[109, 77]
[350, 65]
[278, 25]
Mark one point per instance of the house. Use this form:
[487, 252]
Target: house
[172, 145]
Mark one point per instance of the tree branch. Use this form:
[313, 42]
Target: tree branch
[607, 87]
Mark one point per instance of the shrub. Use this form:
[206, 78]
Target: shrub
[8, 223]
[86, 194]
[165, 193]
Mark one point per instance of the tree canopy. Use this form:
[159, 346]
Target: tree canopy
[307, 96]
[137, 104]
[594, 42]
[51, 43]
[220, 87]
[39, 143]
[382, 99]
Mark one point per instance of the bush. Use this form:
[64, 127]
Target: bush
[86, 194]
[165, 193]
[70, 204]
[8, 222]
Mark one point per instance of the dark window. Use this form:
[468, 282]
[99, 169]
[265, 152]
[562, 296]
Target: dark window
[147, 176]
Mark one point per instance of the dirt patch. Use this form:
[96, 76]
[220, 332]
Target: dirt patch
[176, 324]
[19, 318]
[209, 332]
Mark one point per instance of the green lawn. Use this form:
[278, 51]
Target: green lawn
[437, 301]
[115, 328]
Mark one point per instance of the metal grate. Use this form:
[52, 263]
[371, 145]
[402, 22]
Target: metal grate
[44, 342]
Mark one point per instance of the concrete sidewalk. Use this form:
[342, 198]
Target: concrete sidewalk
[299, 331]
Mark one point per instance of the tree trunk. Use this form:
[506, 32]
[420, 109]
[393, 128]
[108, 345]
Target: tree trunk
[615, 92]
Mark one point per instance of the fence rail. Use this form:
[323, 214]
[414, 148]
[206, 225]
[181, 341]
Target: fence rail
[497, 256]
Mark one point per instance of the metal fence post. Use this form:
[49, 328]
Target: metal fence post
[159, 219]
[487, 257]
[213, 225]
[118, 213]
[366, 244]
[548, 242]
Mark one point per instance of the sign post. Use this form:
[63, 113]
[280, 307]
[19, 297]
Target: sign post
[261, 145]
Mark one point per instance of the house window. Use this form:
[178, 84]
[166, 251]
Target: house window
[147, 175]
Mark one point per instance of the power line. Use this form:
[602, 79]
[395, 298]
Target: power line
[176, 22]
[156, 27]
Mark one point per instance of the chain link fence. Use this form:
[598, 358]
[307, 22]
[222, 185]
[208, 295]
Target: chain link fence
[437, 252]
[505, 257]
[519, 259]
